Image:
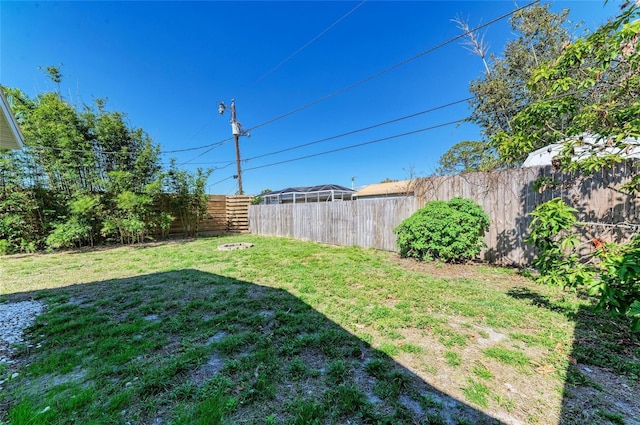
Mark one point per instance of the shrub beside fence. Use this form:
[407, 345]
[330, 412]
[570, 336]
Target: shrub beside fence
[507, 196]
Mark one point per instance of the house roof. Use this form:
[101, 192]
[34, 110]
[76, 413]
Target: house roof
[545, 155]
[384, 189]
[10, 134]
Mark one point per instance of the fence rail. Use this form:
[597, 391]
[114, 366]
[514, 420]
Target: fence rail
[225, 214]
[506, 196]
[368, 223]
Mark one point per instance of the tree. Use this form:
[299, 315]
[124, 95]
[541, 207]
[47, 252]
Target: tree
[592, 87]
[23, 211]
[84, 169]
[188, 199]
[467, 156]
[258, 199]
[501, 92]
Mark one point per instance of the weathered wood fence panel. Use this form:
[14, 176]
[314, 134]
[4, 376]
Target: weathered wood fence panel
[507, 196]
[367, 223]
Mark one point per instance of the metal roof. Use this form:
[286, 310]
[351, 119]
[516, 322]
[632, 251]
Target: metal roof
[544, 156]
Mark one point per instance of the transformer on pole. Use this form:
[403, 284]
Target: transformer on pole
[237, 131]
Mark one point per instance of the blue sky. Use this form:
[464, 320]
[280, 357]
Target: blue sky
[168, 64]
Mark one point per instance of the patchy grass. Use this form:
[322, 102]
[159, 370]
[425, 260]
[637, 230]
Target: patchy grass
[477, 393]
[507, 356]
[289, 332]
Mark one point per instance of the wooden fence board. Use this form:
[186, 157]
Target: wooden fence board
[507, 196]
[225, 214]
[368, 223]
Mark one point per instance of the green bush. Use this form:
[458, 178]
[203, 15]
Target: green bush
[449, 231]
[619, 286]
[613, 275]
[69, 234]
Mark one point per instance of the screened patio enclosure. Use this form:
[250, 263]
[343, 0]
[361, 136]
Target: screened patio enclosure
[296, 195]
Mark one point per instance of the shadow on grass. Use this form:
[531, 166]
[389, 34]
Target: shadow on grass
[603, 369]
[189, 347]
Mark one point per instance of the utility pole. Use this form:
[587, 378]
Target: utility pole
[237, 131]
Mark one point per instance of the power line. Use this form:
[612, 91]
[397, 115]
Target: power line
[344, 148]
[77, 150]
[220, 181]
[378, 74]
[191, 138]
[347, 147]
[362, 129]
[265, 76]
[292, 55]
[228, 163]
[272, 70]
[211, 147]
[391, 68]
[558, 96]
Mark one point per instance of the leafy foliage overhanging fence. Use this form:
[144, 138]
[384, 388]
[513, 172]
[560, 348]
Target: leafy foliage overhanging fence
[507, 196]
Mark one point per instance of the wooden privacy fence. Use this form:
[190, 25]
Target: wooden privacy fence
[507, 196]
[368, 223]
[225, 214]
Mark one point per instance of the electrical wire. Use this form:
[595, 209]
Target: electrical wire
[227, 163]
[391, 68]
[212, 147]
[379, 73]
[220, 181]
[231, 162]
[344, 148]
[361, 129]
[272, 70]
[459, 121]
[292, 55]
[191, 138]
[76, 150]
[357, 145]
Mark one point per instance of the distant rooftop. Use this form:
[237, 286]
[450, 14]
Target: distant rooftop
[404, 187]
[588, 143]
[325, 192]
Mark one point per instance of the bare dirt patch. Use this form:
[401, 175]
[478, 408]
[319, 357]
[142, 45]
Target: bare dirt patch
[526, 394]
[478, 271]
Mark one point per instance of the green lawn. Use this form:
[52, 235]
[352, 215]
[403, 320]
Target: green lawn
[290, 332]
